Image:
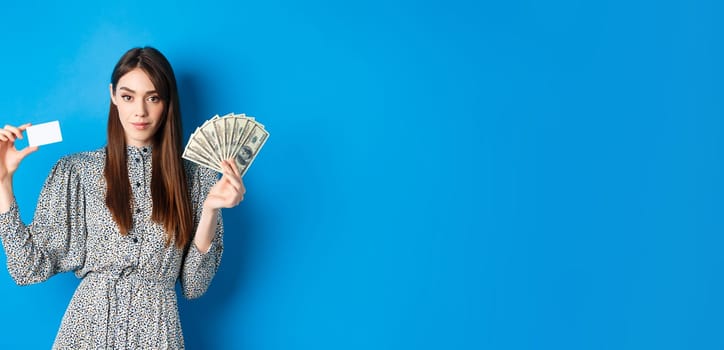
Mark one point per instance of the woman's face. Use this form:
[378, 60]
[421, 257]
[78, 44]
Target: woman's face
[139, 107]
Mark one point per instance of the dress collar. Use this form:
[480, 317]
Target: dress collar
[144, 151]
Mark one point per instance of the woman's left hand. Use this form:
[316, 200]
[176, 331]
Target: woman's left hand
[229, 191]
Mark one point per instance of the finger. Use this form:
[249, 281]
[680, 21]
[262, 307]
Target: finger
[17, 132]
[27, 150]
[242, 188]
[232, 177]
[24, 126]
[240, 182]
[234, 181]
[227, 194]
[237, 199]
[232, 165]
[7, 135]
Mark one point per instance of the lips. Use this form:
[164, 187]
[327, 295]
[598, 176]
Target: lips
[140, 126]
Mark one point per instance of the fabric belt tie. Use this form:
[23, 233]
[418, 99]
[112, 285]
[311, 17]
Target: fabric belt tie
[120, 286]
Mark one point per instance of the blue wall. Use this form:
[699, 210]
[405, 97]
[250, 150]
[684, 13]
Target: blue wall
[440, 175]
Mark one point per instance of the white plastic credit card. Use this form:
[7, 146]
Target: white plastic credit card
[43, 134]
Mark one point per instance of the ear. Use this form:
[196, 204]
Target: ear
[113, 97]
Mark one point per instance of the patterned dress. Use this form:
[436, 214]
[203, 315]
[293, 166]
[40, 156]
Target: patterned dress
[126, 298]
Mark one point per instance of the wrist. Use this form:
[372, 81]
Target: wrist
[7, 182]
[6, 195]
[207, 208]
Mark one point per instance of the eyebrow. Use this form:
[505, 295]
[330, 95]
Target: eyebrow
[133, 92]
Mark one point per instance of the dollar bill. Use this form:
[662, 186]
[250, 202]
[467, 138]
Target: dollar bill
[249, 150]
[229, 126]
[199, 146]
[209, 135]
[239, 132]
[248, 127]
[192, 153]
[232, 136]
[220, 135]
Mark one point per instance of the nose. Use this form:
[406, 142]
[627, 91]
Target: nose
[140, 109]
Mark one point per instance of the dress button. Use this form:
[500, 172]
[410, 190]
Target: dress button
[138, 160]
[135, 240]
[138, 184]
[138, 211]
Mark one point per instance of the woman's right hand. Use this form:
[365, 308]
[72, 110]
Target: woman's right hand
[10, 157]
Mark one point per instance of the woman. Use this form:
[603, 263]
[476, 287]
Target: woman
[129, 219]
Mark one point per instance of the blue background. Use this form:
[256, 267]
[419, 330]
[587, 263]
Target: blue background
[440, 174]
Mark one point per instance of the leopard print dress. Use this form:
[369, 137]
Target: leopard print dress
[126, 298]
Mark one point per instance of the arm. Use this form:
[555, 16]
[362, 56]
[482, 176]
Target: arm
[55, 241]
[204, 255]
[206, 229]
[227, 193]
[10, 159]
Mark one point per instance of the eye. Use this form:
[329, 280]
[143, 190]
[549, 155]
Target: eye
[126, 98]
[154, 99]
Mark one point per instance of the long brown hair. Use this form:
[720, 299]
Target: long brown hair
[169, 189]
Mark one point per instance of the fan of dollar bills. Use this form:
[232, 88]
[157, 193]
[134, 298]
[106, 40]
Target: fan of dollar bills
[234, 136]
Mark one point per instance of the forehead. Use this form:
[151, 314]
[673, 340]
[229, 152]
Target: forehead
[136, 80]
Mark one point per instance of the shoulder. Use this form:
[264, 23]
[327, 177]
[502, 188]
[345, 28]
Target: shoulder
[82, 163]
[85, 158]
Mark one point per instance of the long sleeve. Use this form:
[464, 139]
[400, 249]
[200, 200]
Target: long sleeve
[199, 268]
[55, 241]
